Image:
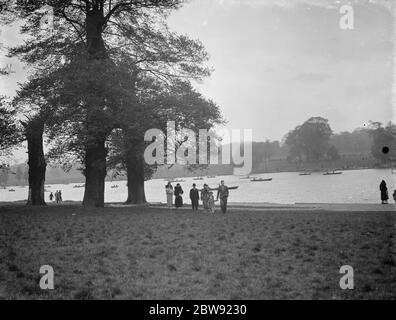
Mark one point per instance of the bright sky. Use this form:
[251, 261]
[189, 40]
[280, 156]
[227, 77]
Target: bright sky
[277, 63]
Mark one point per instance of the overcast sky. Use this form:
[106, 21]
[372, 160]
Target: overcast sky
[277, 63]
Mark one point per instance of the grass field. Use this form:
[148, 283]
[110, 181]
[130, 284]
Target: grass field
[146, 253]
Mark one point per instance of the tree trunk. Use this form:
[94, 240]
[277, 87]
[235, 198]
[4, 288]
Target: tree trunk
[135, 178]
[95, 174]
[37, 165]
[95, 150]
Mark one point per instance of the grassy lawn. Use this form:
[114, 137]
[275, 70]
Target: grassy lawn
[146, 253]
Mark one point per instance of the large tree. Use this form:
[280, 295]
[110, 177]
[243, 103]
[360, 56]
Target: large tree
[89, 39]
[156, 105]
[311, 140]
[35, 113]
[34, 129]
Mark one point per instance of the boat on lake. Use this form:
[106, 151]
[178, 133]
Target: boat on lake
[260, 179]
[247, 177]
[217, 188]
[328, 173]
[304, 174]
[198, 178]
[175, 180]
[79, 186]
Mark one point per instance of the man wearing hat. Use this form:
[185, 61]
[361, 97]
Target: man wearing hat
[194, 196]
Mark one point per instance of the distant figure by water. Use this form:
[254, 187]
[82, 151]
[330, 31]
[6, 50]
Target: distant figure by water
[205, 196]
[394, 195]
[178, 194]
[194, 197]
[211, 202]
[384, 192]
[169, 194]
[58, 196]
[223, 193]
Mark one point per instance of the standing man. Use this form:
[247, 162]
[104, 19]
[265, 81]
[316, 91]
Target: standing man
[223, 192]
[194, 196]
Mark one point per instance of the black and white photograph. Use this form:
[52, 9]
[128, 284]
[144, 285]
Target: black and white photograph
[200, 152]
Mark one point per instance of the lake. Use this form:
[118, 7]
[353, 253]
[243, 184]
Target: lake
[353, 186]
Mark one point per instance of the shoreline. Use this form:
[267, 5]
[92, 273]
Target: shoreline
[237, 206]
[192, 176]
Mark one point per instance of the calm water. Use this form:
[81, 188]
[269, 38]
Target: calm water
[355, 186]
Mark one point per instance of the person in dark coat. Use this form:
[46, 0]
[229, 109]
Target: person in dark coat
[384, 192]
[194, 197]
[178, 194]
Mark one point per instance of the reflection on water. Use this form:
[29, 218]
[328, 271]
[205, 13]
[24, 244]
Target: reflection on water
[354, 186]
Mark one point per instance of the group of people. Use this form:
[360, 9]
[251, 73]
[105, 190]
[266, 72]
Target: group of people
[57, 196]
[205, 195]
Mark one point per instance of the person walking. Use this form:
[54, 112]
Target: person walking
[178, 195]
[56, 196]
[384, 192]
[169, 194]
[51, 196]
[194, 197]
[211, 202]
[223, 193]
[205, 197]
[60, 196]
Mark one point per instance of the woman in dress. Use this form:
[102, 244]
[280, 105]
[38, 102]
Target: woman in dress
[384, 192]
[178, 194]
[205, 196]
[169, 194]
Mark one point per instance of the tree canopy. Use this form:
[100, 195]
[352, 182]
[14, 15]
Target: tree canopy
[311, 140]
[384, 142]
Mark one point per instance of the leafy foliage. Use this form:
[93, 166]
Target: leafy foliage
[310, 140]
[9, 131]
[384, 141]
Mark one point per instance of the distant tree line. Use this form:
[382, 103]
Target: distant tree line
[314, 140]
[371, 140]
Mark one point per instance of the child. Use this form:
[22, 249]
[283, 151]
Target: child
[211, 202]
[394, 195]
